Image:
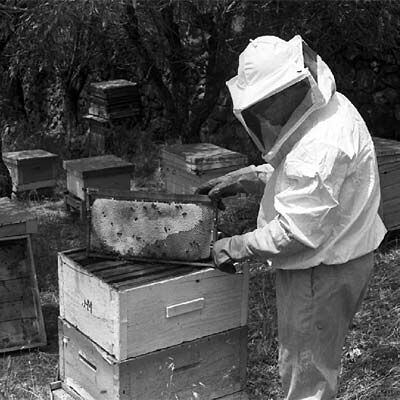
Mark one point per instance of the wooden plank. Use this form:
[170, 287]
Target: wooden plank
[21, 320]
[121, 279]
[13, 260]
[150, 196]
[222, 311]
[104, 265]
[19, 334]
[390, 192]
[97, 166]
[161, 276]
[14, 310]
[88, 303]
[34, 185]
[208, 368]
[13, 289]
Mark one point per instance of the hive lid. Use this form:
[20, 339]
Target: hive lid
[387, 150]
[114, 88]
[203, 156]
[12, 213]
[97, 166]
[17, 157]
[151, 225]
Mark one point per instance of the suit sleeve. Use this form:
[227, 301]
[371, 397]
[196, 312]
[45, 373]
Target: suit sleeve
[307, 200]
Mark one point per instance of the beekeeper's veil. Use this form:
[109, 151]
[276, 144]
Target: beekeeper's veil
[278, 85]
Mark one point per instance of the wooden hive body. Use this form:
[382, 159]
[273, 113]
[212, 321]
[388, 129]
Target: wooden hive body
[31, 169]
[388, 156]
[187, 166]
[102, 172]
[130, 309]
[21, 320]
[206, 368]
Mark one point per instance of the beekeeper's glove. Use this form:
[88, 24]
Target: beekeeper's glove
[263, 243]
[245, 180]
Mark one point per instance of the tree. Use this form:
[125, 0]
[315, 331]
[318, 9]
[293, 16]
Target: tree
[66, 39]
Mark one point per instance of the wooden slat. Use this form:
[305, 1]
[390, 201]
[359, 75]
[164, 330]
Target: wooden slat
[13, 289]
[21, 317]
[15, 310]
[149, 196]
[118, 270]
[119, 280]
[131, 283]
[20, 334]
[104, 265]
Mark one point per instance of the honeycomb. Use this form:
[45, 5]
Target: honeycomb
[160, 230]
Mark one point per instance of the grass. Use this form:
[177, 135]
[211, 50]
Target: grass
[371, 355]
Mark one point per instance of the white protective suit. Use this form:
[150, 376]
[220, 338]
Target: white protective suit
[318, 221]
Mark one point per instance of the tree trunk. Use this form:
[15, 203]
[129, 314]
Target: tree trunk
[71, 110]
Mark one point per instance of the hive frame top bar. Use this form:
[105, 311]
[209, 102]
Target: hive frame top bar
[93, 194]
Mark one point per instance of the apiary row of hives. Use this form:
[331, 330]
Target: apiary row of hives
[148, 320]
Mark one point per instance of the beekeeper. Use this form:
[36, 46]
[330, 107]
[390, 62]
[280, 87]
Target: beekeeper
[318, 222]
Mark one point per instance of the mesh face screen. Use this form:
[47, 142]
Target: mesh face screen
[266, 118]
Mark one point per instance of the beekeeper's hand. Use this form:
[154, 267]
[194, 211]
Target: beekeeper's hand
[245, 180]
[225, 252]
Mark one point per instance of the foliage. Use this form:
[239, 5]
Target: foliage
[180, 52]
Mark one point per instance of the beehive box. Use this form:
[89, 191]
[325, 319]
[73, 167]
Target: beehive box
[31, 169]
[15, 220]
[102, 172]
[114, 99]
[21, 320]
[60, 391]
[134, 307]
[151, 225]
[388, 155]
[206, 368]
[185, 167]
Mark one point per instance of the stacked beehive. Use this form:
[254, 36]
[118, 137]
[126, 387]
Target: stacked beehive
[137, 328]
[388, 155]
[111, 103]
[186, 166]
